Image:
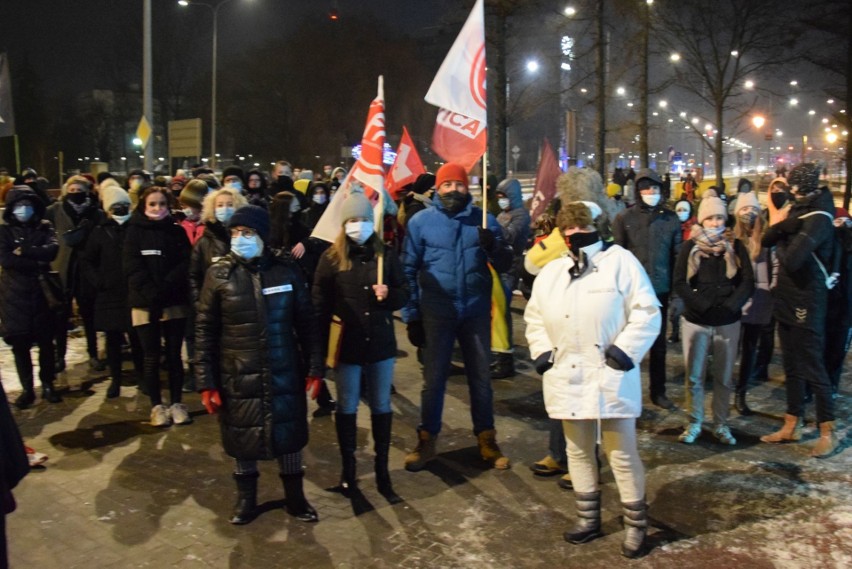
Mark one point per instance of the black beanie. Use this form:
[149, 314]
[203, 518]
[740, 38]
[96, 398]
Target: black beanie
[254, 217]
[804, 178]
[424, 183]
[234, 171]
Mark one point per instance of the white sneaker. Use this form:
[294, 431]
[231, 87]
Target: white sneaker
[160, 416]
[180, 415]
[34, 457]
[690, 433]
[723, 433]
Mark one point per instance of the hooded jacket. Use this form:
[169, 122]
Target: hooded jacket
[23, 308]
[516, 221]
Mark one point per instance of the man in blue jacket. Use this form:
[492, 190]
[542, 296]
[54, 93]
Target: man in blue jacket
[447, 252]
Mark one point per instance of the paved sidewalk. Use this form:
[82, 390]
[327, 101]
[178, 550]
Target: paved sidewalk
[117, 492]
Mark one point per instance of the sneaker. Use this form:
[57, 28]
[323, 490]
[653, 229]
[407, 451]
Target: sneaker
[690, 433]
[160, 416]
[180, 416]
[35, 458]
[723, 434]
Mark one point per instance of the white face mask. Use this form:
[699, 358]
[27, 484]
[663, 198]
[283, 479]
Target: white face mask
[359, 231]
[503, 203]
[651, 200]
[319, 199]
[121, 219]
[189, 213]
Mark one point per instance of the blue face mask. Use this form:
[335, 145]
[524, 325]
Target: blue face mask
[23, 213]
[237, 185]
[223, 214]
[247, 247]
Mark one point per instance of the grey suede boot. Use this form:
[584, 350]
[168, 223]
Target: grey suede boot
[588, 519]
[635, 528]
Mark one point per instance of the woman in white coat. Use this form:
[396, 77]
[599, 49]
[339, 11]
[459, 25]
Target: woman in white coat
[590, 320]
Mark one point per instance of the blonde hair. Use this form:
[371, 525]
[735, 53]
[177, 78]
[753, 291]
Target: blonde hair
[338, 253]
[208, 207]
[76, 180]
[750, 236]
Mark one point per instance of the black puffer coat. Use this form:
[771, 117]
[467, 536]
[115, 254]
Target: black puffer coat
[101, 265]
[253, 317]
[654, 236]
[23, 309]
[213, 244]
[368, 334]
[800, 296]
[156, 263]
[73, 230]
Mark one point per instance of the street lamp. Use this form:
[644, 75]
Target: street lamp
[215, 11]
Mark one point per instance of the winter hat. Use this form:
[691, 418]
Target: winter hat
[306, 175]
[104, 176]
[451, 172]
[613, 189]
[193, 193]
[234, 171]
[254, 217]
[650, 176]
[681, 203]
[804, 178]
[301, 185]
[336, 171]
[711, 206]
[423, 183]
[139, 172]
[575, 214]
[18, 193]
[114, 194]
[79, 180]
[356, 205]
[747, 199]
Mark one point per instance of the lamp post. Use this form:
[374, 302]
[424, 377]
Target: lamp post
[147, 81]
[758, 121]
[214, 9]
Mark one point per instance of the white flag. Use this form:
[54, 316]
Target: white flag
[459, 85]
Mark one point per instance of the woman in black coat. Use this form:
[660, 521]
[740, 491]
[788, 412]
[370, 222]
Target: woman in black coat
[156, 264]
[27, 246]
[346, 286]
[100, 263]
[13, 467]
[254, 316]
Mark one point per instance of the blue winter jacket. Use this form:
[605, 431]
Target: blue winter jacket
[445, 266]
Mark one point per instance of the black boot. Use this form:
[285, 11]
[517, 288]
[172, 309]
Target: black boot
[382, 437]
[588, 519]
[635, 527]
[49, 394]
[503, 365]
[740, 403]
[114, 389]
[245, 509]
[347, 432]
[26, 398]
[294, 496]
[326, 402]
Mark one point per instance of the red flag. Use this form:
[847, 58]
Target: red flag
[458, 138]
[545, 181]
[369, 169]
[406, 167]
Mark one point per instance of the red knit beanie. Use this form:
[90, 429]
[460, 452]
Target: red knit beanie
[451, 172]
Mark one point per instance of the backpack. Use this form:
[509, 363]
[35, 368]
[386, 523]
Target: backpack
[836, 267]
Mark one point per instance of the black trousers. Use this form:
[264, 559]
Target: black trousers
[657, 359]
[149, 337]
[803, 352]
[21, 349]
[86, 307]
[757, 341]
[837, 338]
[114, 341]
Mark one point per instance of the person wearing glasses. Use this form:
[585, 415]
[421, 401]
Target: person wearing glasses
[254, 322]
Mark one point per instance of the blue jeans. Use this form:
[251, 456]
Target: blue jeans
[474, 336]
[379, 377]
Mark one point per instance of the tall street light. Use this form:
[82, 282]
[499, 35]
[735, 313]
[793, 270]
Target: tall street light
[214, 9]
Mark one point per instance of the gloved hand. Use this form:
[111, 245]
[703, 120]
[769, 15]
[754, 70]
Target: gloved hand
[486, 239]
[617, 359]
[789, 225]
[211, 399]
[313, 384]
[416, 333]
[676, 308]
[543, 363]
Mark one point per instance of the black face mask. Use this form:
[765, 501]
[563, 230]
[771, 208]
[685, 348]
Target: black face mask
[282, 181]
[579, 240]
[778, 199]
[120, 209]
[454, 201]
[78, 198]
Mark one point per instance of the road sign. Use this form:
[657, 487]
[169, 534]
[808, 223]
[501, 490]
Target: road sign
[143, 131]
[613, 150]
[185, 138]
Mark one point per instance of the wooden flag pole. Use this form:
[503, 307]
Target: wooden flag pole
[485, 189]
[380, 228]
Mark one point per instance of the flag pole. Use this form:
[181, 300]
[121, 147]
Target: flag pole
[485, 189]
[18, 154]
[380, 229]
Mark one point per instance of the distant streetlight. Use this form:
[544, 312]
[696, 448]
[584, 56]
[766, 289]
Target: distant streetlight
[570, 11]
[675, 57]
[758, 121]
[663, 104]
[621, 91]
[735, 53]
[794, 101]
[831, 137]
[794, 82]
[532, 65]
[749, 84]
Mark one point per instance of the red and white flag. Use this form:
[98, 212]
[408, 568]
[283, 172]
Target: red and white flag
[369, 169]
[459, 85]
[458, 138]
[545, 181]
[406, 167]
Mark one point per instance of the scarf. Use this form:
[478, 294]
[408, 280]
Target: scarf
[707, 245]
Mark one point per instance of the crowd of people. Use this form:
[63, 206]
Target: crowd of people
[224, 269]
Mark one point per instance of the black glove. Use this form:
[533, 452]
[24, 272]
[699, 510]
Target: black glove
[486, 239]
[416, 333]
[543, 363]
[617, 359]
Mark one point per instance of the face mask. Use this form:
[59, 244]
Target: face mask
[651, 200]
[714, 232]
[224, 213]
[747, 219]
[236, 184]
[161, 214]
[281, 179]
[319, 199]
[683, 216]
[121, 219]
[359, 231]
[778, 199]
[189, 213]
[135, 184]
[454, 201]
[247, 247]
[327, 173]
[23, 213]
[120, 209]
[503, 203]
[578, 241]
[294, 206]
[78, 198]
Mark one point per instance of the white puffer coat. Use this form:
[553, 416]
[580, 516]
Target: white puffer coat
[613, 302]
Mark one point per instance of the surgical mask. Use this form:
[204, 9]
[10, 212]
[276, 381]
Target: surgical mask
[161, 214]
[236, 184]
[121, 219]
[747, 219]
[359, 231]
[223, 214]
[319, 199]
[190, 213]
[327, 173]
[651, 200]
[135, 184]
[454, 201]
[247, 247]
[503, 203]
[778, 199]
[682, 215]
[23, 213]
[294, 206]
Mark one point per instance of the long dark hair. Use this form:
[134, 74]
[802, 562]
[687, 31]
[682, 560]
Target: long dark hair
[280, 220]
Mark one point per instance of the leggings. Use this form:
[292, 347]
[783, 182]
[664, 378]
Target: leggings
[149, 337]
[114, 341]
[287, 464]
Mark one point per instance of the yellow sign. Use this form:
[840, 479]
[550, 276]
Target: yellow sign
[143, 131]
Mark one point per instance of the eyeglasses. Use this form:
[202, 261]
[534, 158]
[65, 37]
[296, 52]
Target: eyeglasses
[244, 231]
